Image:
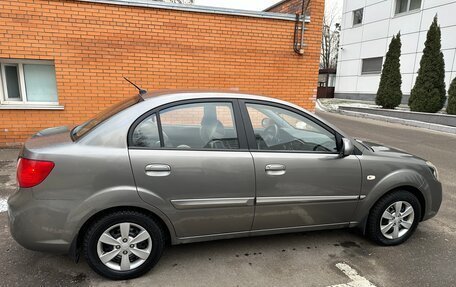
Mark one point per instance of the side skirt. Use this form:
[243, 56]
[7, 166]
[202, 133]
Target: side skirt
[211, 237]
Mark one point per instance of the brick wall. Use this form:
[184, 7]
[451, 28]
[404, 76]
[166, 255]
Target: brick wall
[287, 6]
[93, 45]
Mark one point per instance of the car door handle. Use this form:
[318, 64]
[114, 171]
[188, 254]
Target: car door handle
[158, 170]
[275, 169]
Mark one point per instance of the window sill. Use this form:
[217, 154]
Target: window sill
[30, 107]
[371, 74]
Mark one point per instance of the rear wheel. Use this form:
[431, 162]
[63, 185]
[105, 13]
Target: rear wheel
[124, 244]
[394, 218]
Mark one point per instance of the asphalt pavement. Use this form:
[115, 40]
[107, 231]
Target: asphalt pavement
[321, 258]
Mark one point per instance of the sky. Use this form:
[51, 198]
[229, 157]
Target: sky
[258, 5]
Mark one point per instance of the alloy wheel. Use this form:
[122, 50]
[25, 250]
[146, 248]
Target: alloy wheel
[397, 220]
[124, 246]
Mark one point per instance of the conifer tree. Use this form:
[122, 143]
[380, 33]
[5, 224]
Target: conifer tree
[389, 94]
[451, 108]
[428, 94]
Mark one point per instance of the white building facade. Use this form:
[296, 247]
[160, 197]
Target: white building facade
[367, 29]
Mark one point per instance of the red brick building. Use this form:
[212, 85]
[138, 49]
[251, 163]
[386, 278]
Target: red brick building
[287, 6]
[62, 61]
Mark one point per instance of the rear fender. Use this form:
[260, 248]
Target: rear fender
[118, 197]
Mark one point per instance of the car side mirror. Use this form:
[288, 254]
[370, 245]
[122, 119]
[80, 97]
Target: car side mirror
[347, 148]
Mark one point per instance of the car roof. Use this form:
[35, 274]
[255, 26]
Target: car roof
[114, 128]
[174, 95]
[161, 97]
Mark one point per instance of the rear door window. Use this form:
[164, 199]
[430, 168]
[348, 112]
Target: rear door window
[146, 134]
[208, 125]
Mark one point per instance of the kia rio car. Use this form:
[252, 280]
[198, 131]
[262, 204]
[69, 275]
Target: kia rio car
[186, 166]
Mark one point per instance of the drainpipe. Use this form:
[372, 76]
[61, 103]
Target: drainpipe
[299, 47]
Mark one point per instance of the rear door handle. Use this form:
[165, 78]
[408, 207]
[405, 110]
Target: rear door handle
[158, 170]
[275, 169]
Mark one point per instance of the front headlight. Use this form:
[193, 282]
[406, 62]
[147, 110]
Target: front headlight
[433, 169]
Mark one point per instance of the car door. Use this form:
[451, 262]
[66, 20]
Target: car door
[301, 180]
[191, 161]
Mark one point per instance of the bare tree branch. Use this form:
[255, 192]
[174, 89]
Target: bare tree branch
[330, 39]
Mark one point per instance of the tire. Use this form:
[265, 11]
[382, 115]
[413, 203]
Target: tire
[149, 246]
[383, 214]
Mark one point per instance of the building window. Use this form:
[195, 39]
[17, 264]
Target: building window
[403, 6]
[358, 16]
[27, 82]
[372, 65]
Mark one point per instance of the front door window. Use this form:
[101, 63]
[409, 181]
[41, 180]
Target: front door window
[278, 129]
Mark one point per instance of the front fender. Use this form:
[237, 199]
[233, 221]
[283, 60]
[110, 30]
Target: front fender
[373, 190]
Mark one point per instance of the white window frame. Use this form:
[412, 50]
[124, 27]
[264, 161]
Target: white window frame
[408, 8]
[5, 103]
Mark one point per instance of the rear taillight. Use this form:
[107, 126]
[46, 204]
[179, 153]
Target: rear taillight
[32, 172]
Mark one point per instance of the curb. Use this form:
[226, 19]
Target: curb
[432, 118]
[320, 107]
[413, 123]
[8, 154]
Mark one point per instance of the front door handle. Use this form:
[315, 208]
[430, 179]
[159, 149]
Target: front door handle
[275, 169]
[158, 170]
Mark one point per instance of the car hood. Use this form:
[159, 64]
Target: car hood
[383, 150]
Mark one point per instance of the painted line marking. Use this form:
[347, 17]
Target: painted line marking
[357, 280]
[3, 205]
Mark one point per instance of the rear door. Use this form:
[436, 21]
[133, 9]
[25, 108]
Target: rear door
[190, 160]
[300, 179]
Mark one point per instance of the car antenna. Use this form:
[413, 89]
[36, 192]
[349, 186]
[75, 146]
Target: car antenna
[141, 91]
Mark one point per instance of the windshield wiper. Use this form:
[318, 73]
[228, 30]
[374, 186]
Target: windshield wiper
[364, 145]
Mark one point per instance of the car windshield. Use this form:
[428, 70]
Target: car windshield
[86, 127]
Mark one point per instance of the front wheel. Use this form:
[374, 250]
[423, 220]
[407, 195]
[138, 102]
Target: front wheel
[124, 245]
[394, 218]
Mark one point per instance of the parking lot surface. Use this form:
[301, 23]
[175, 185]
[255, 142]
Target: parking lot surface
[323, 258]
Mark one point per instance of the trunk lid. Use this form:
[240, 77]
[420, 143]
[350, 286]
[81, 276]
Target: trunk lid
[46, 141]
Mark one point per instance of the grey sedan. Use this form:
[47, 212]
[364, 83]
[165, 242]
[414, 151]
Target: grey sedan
[180, 167]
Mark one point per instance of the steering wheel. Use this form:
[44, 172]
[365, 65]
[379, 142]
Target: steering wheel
[323, 148]
[271, 135]
[215, 144]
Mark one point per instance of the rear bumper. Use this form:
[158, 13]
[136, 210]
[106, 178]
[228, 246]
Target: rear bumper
[39, 224]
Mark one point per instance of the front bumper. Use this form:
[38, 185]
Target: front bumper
[39, 224]
[434, 199]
